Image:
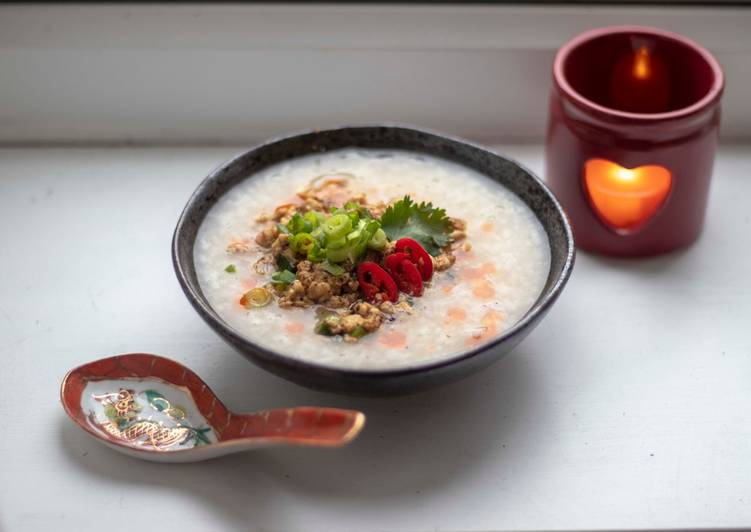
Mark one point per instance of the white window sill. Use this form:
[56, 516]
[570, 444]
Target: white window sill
[639, 421]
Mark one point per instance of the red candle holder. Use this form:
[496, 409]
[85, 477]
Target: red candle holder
[632, 132]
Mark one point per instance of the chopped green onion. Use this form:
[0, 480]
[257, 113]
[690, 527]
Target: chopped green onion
[326, 323]
[318, 233]
[338, 251]
[230, 269]
[302, 242]
[378, 240]
[256, 297]
[336, 243]
[314, 218]
[337, 226]
[366, 234]
[298, 224]
[316, 253]
[333, 269]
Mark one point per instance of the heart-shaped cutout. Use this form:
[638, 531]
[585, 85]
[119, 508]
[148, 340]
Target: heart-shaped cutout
[626, 198]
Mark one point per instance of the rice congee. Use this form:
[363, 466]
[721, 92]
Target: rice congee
[370, 259]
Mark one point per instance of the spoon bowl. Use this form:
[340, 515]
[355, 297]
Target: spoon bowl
[156, 409]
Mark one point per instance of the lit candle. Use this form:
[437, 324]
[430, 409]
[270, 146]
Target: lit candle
[640, 83]
[626, 198]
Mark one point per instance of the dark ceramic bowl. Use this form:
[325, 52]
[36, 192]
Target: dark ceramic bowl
[389, 381]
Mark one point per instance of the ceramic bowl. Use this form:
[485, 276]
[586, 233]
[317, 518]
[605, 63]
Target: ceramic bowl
[506, 172]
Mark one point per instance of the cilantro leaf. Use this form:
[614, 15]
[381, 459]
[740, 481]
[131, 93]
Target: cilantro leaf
[427, 224]
[284, 263]
[283, 278]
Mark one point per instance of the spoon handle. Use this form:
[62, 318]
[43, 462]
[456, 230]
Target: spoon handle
[307, 425]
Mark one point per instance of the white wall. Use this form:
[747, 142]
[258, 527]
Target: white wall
[238, 73]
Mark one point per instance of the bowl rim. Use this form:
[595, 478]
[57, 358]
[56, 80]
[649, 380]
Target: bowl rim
[208, 314]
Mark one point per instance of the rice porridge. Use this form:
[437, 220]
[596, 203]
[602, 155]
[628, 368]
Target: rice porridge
[276, 262]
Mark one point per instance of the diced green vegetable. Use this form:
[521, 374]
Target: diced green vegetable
[255, 297]
[316, 253]
[230, 269]
[359, 332]
[314, 218]
[326, 323]
[345, 234]
[378, 240]
[318, 234]
[298, 224]
[283, 278]
[338, 251]
[337, 226]
[353, 245]
[335, 243]
[356, 212]
[333, 269]
[302, 242]
[368, 232]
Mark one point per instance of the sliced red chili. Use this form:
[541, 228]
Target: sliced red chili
[375, 280]
[417, 255]
[405, 273]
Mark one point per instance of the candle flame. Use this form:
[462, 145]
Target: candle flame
[641, 63]
[625, 198]
[624, 174]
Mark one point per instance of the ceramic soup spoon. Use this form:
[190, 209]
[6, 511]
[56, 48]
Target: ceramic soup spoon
[154, 408]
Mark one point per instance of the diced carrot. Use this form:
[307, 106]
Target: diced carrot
[455, 315]
[470, 273]
[491, 318]
[483, 289]
[487, 267]
[393, 339]
[295, 327]
[490, 324]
